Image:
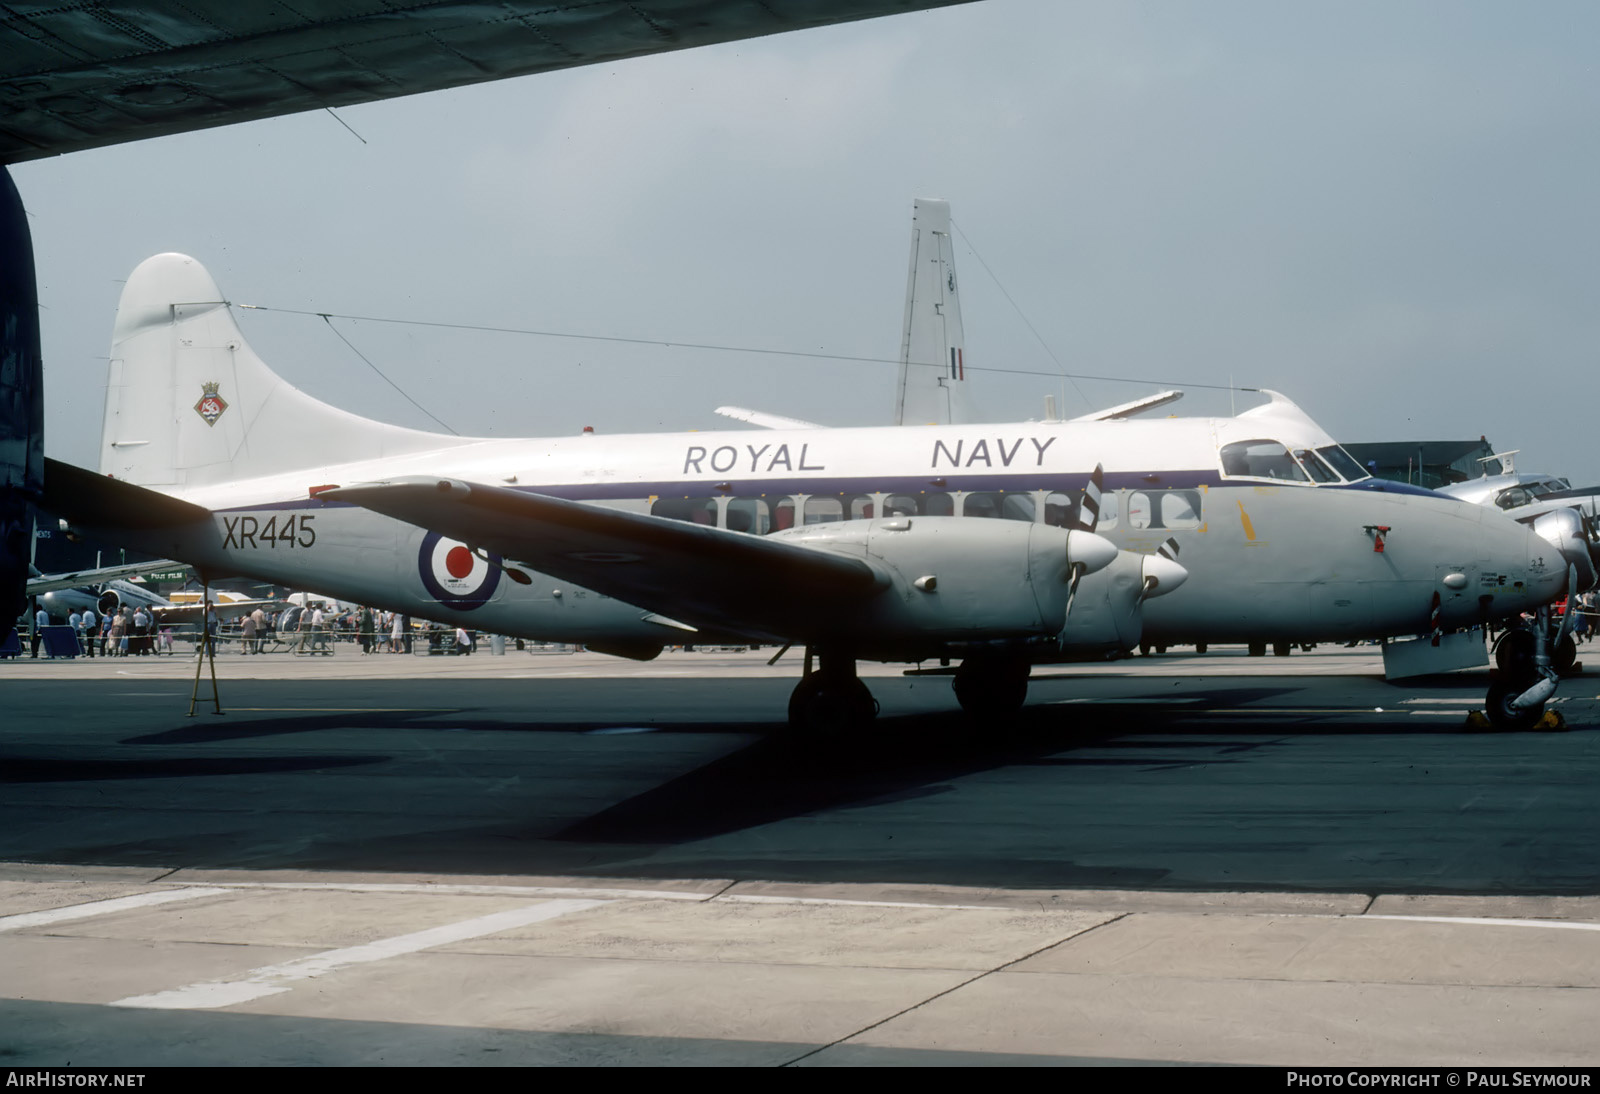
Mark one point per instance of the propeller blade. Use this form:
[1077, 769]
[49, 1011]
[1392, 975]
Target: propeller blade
[1089, 513]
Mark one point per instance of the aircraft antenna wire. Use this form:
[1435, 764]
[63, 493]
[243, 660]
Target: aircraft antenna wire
[1024, 316]
[328, 319]
[670, 344]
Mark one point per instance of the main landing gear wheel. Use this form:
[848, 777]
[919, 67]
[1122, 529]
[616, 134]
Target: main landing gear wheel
[992, 687]
[1514, 652]
[1497, 705]
[824, 703]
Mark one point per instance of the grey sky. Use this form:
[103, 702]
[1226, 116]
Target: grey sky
[1386, 211]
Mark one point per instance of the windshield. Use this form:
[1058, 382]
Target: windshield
[1344, 463]
[1319, 471]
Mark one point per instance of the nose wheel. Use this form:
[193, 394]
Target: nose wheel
[1527, 664]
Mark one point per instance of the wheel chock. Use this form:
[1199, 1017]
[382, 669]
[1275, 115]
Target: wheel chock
[1477, 719]
[1551, 721]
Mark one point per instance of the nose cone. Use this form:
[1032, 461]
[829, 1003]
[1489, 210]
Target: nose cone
[1534, 574]
[1162, 575]
[1090, 551]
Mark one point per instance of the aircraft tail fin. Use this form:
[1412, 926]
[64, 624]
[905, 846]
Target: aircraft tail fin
[933, 367]
[189, 403]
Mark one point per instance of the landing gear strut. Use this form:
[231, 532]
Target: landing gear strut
[831, 700]
[1525, 678]
[993, 686]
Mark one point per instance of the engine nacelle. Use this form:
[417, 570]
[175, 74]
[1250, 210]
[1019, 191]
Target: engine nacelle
[951, 580]
[1564, 528]
[1108, 613]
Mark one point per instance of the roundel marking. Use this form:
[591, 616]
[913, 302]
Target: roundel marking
[454, 576]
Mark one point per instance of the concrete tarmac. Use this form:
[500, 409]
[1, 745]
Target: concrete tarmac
[562, 858]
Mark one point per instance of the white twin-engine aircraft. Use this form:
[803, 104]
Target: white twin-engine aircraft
[993, 545]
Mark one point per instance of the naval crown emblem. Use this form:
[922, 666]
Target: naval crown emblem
[211, 404]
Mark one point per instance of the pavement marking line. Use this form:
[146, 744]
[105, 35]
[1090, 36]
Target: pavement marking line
[464, 889]
[756, 898]
[276, 979]
[1483, 921]
[1452, 702]
[101, 907]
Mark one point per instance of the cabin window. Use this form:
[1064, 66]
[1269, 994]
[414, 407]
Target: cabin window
[783, 514]
[1015, 505]
[1260, 460]
[1164, 509]
[751, 515]
[1063, 510]
[694, 510]
[936, 504]
[823, 510]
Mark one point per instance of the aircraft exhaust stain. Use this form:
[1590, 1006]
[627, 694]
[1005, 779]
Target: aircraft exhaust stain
[1244, 519]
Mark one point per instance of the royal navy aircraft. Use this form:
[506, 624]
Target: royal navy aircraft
[971, 543]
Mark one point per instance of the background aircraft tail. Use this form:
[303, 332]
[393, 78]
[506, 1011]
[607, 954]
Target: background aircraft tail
[933, 366]
[190, 404]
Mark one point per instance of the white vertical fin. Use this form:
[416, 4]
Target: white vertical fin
[933, 365]
[189, 403]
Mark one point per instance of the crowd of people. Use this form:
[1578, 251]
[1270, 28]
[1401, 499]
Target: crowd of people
[313, 628]
[129, 631]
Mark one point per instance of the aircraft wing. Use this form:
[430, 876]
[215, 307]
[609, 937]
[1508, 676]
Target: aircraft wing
[707, 577]
[83, 75]
[49, 583]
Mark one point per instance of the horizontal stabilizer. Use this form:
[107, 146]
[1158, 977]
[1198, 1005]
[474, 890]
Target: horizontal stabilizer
[702, 576]
[98, 501]
[765, 420]
[1128, 410]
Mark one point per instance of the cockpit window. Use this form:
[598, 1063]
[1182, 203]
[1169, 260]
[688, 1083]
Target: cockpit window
[1344, 463]
[1319, 471]
[1260, 460]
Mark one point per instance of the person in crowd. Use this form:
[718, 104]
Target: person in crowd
[89, 628]
[139, 644]
[41, 620]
